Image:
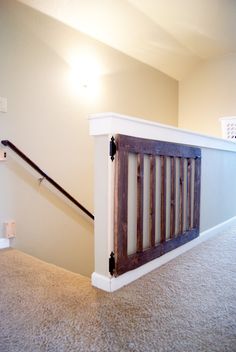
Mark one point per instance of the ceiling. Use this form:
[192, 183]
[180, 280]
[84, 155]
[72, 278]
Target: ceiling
[172, 36]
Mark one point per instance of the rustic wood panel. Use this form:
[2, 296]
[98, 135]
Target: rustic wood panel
[140, 175]
[121, 205]
[137, 259]
[181, 195]
[197, 191]
[163, 198]
[151, 147]
[173, 196]
[178, 236]
[152, 200]
[189, 179]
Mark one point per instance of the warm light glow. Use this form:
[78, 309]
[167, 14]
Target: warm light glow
[85, 76]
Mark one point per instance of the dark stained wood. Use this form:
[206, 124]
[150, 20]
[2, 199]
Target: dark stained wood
[173, 197]
[117, 199]
[163, 198]
[137, 259]
[152, 147]
[181, 195]
[121, 204]
[141, 147]
[197, 192]
[140, 175]
[189, 184]
[152, 200]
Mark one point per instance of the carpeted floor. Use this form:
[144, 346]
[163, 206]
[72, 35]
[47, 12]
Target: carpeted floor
[187, 305]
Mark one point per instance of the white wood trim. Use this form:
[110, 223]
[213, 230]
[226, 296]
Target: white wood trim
[112, 123]
[112, 284]
[101, 281]
[4, 243]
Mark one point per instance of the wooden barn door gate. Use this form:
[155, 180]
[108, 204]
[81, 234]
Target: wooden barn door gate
[157, 199]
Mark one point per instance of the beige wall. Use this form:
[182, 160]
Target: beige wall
[47, 119]
[218, 187]
[207, 94]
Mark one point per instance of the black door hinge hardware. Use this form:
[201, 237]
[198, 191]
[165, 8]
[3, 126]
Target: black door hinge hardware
[112, 263]
[112, 148]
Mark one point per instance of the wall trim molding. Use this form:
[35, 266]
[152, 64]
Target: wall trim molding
[113, 123]
[4, 243]
[112, 284]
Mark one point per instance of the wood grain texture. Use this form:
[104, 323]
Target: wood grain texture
[197, 192]
[152, 215]
[163, 198]
[135, 260]
[181, 195]
[121, 204]
[178, 236]
[140, 178]
[173, 197]
[189, 183]
[153, 147]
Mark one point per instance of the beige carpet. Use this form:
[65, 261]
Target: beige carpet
[186, 305]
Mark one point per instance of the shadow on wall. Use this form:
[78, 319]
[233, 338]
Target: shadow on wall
[49, 226]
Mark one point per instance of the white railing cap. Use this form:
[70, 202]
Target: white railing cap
[113, 123]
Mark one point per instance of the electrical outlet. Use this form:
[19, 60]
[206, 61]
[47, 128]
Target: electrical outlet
[10, 229]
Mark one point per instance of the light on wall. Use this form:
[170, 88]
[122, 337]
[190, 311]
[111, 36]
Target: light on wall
[85, 76]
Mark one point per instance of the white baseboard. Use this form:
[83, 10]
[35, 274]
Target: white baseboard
[4, 243]
[102, 282]
[111, 284]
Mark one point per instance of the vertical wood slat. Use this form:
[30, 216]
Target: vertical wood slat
[121, 204]
[163, 198]
[152, 215]
[140, 179]
[173, 198]
[197, 190]
[181, 195]
[189, 182]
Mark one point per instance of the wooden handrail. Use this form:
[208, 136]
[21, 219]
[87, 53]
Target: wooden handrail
[7, 143]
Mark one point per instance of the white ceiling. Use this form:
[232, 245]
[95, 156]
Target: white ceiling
[170, 35]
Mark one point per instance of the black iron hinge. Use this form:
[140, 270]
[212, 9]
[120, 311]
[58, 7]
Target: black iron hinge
[112, 263]
[112, 148]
